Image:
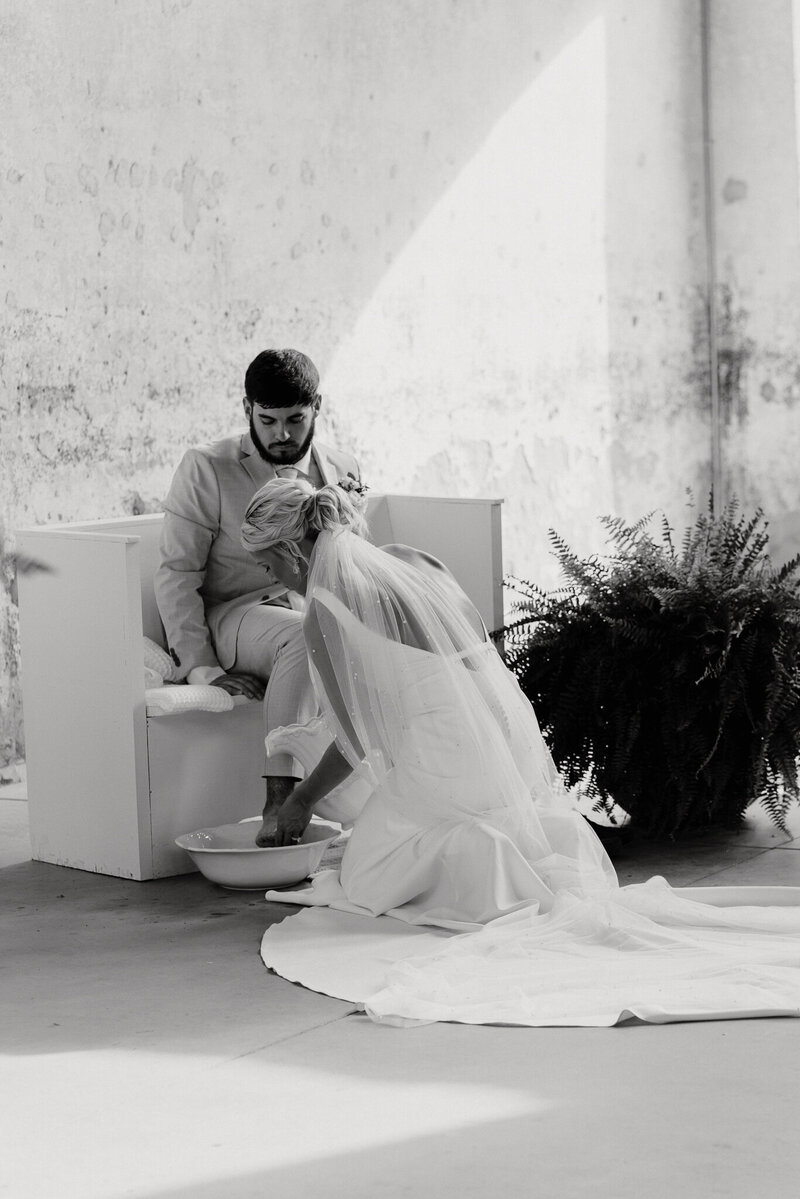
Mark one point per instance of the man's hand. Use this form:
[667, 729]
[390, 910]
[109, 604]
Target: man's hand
[241, 684]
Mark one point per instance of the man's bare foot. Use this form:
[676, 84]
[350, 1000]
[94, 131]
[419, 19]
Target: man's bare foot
[279, 788]
[265, 837]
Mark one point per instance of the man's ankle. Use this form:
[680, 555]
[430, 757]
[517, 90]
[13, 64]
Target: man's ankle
[279, 788]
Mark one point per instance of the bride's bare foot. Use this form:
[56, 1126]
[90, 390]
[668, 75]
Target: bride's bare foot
[279, 788]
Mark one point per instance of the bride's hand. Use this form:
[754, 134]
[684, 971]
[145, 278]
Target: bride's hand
[293, 817]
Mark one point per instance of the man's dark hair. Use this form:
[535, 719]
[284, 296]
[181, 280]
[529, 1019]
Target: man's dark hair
[281, 379]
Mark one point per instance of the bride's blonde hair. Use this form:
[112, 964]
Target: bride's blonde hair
[284, 511]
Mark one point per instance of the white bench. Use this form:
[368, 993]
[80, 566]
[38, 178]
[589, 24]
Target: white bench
[110, 787]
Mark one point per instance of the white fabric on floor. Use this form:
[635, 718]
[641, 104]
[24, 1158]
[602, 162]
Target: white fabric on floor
[342, 954]
[585, 963]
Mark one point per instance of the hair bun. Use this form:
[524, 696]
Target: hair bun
[332, 508]
[284, 511]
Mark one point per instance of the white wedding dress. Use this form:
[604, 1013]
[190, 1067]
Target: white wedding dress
[471, 888]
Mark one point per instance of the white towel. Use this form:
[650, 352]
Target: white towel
[167, 701]
[157, 661]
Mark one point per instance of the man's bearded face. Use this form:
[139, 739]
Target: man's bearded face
[282, 436]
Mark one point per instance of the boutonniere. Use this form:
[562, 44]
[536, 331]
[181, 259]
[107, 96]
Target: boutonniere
[352, 486]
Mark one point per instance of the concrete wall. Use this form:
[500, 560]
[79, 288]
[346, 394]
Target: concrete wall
[542, 334]
[482, 218]
[754, 49]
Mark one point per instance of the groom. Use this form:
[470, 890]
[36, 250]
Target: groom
[228, 622]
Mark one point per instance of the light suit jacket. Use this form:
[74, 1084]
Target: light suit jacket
[206, 580]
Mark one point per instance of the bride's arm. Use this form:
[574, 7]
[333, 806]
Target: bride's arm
[295, 813]
[333, 767]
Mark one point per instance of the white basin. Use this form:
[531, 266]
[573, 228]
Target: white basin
[229, 856]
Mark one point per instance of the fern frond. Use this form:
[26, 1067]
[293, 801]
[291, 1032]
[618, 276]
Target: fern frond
[666, 680]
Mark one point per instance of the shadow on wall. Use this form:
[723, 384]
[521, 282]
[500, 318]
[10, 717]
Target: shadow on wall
[437, 101]
[540, 334]
[481, 355]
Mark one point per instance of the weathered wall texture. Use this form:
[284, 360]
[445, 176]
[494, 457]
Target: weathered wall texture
[754, 125]
[482, 218]
[541, 334]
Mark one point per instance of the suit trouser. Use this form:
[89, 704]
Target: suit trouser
[271, 645]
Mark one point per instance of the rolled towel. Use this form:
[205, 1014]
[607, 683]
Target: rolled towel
[167, 701]
[158, 660]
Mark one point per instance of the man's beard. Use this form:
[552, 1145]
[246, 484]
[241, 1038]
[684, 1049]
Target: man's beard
[287, 457]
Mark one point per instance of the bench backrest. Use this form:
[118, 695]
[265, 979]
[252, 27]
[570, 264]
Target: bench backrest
[464, 534]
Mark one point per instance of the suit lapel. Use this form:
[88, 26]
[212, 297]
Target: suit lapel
[258, 470]
[324, 465]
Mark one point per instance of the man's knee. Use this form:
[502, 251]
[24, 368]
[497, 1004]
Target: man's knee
[267, 634]
[291, 646]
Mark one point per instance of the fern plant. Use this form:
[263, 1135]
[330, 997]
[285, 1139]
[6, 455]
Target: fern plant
[666, 677]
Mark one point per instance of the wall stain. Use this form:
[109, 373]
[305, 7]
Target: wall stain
[88, 180]
[734, 352]
[107, 224]
[734, 191]
[198, 191]
[138, 505]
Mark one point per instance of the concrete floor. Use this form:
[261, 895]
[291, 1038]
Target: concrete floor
[147, 1053]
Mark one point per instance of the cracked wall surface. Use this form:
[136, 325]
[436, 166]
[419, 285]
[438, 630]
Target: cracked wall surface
[483, 219]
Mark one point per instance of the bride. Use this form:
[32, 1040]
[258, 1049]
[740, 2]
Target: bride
[464, 823]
